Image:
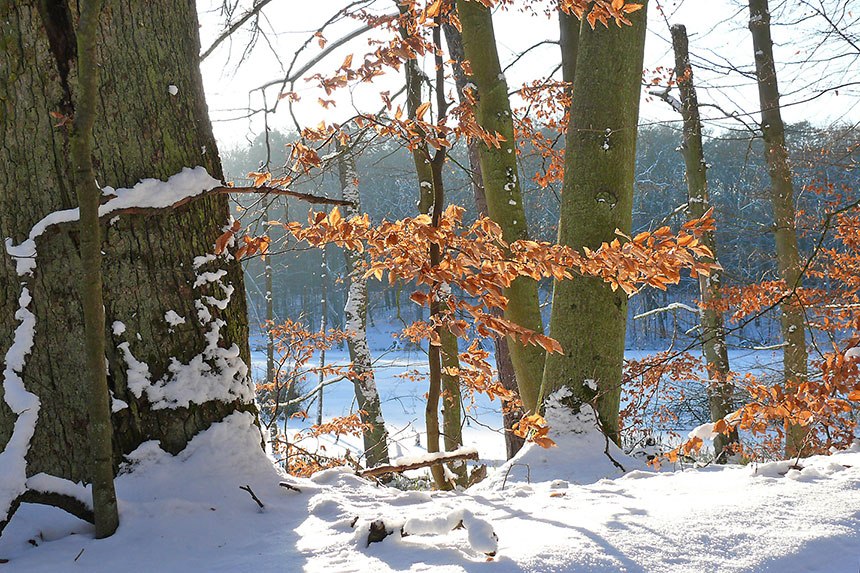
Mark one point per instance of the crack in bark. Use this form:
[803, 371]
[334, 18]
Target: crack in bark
[61, 36]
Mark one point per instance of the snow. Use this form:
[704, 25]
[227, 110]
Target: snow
[25, 405]
[186, 513]
[567, 508]
[428, 457]
[172, 89]
[51, 484]
[579, 455]
[173, 319]
[147, 193]
[215, 373]
[118, 328]
[703, 432]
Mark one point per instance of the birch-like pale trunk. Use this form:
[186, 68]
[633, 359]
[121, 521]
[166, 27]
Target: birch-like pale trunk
[589, 318]
[323, 328]
[374, 434]
[713, 332]
[793, 325]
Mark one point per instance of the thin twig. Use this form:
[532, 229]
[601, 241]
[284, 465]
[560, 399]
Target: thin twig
[253, 495]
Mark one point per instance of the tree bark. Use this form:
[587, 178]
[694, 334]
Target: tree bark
[444, 358]
[511, 415]
[713, 332]
[502, 185]
[143, 128]
[375, 434]
[588, 318]
[782, 197]
[88, 193]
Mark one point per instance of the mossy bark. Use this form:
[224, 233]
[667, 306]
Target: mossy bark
[84, 179]
[141, 130]
[789, 265]
[502, 185]
[589, 318]
[507, 376]
[712, 326]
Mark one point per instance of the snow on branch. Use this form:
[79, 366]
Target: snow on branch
[148, 196]
[407, 463]
[664, 95]
[667, 308]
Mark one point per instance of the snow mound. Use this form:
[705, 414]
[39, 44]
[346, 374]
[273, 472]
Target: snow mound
[582, 454]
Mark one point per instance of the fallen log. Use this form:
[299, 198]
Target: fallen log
[413, 463]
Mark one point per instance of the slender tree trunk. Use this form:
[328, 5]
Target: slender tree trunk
[502, 185]
[270, 311]
[143, 128]
[511, 414]
[713, 332]
[443, 359]
[88, 193]
[782, 198]
[568, 41]
[375, 434]
[323, 328]
[588, 318]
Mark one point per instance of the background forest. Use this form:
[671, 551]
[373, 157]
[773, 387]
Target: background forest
[738, 187]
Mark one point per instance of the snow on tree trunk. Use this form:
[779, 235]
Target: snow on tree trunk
[169, 378]
[713, 332]
[502, 185]
[588, 318]
[793, 325]
[375, 434]
[504, 366]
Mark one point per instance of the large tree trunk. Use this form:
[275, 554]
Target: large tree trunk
[588, 318]
[713, 332]
[782, 197]
[502, 185]
[175, 380]
[375, 435]
[511, 414]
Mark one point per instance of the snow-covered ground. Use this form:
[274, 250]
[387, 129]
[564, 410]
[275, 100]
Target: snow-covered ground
[566, 509]
[187, 514]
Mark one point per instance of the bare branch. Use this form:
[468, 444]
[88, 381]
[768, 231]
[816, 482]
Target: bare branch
[430, 460]
[236, 25]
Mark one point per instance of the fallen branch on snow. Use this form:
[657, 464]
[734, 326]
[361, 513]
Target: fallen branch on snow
[406, 464]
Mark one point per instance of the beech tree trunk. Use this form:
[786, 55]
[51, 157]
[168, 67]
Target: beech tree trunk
[502, 185]
[81, 149]
[588, 318]
[442, 359]
[505, 368]
[713, 332]
[151, 121]
[375, 435]
[789, 266]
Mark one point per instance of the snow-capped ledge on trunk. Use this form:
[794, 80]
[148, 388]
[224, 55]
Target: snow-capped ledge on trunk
[146, 194]
[582, 454]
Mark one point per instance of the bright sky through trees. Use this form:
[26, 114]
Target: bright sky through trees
[816, 73]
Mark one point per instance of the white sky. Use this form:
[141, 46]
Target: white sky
[718, 37]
